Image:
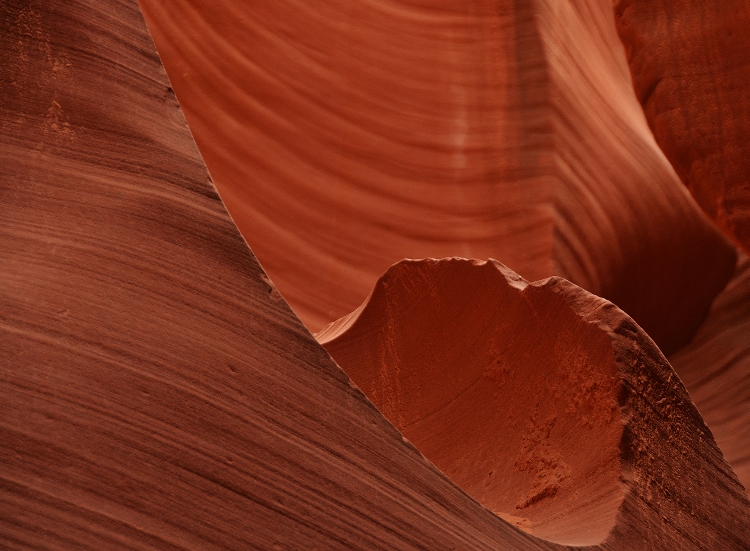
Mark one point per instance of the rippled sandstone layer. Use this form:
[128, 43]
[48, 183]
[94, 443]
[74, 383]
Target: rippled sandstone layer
[157, 392]
[345, 136]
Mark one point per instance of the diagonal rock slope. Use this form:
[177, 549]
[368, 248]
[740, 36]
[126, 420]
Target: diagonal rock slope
[155, 391]
[344, 136]
[546, 403]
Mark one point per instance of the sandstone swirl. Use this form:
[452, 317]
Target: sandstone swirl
[155, 393]
[344, 136]
[547, 404]
[156, 390]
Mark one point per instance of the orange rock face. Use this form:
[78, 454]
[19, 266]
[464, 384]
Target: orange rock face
[346, 136]
[545, 403]
[691, 71]
[158, 392]
[155, 392]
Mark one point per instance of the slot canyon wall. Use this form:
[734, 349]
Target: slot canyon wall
[159, 389]
[349, 136]
[691, 72]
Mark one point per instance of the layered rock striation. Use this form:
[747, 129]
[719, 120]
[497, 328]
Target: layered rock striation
[156, 390]
[346, 136]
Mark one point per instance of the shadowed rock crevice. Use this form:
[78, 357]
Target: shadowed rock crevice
[690, 70]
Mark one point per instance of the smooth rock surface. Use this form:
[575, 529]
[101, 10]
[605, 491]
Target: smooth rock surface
[344, 136]
[546, 403]
[691, 71]
[155, 391]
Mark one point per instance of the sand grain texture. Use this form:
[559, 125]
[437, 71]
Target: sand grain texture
[547, 404]
[715, 368]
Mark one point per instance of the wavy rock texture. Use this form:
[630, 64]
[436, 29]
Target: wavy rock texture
[155, 391]
[715, 368]
[691, 71]
[546, 403]
[344, 136]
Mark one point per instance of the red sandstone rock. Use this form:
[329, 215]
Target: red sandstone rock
[155, 392]
[715, 368]
[547, 404]
[344, 136]
[691, 71]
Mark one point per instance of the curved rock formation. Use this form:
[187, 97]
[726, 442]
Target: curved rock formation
[547, 404]
[345, 136]
[715, 368]
[155, 392]
[691, 71]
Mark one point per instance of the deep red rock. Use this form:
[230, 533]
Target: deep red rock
[156, 391]
[547, 404]
[691, 71]
[715, 368]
